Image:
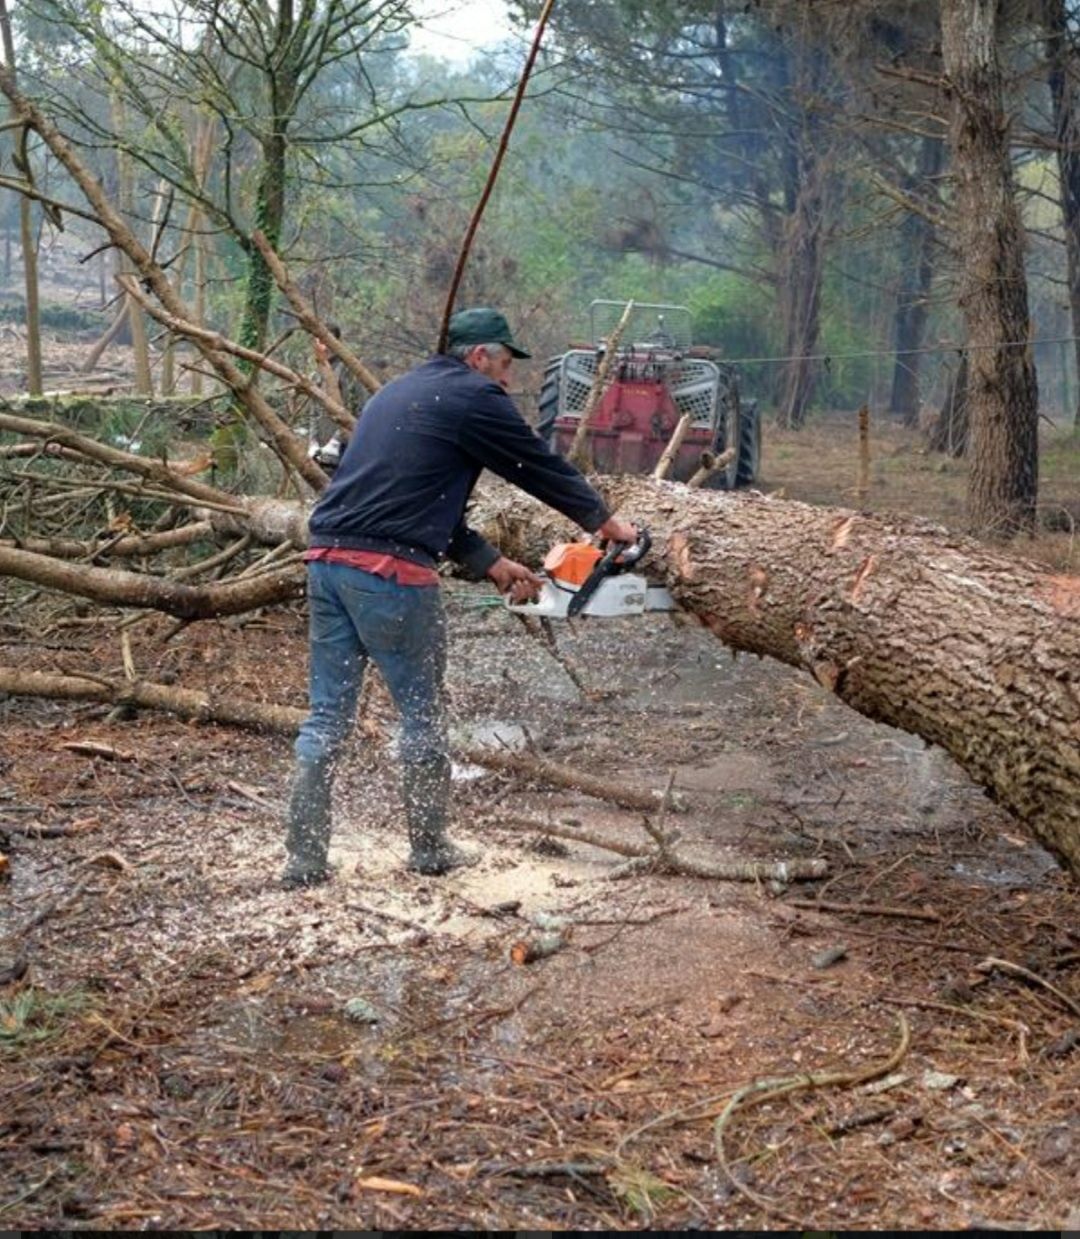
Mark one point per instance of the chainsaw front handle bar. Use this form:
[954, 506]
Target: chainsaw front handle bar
[625, 554]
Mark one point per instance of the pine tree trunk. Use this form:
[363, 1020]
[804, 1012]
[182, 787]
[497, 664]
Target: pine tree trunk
[1002, 387]
[916, 249]
[950, 432]
[802, 254]
[1060, 59]
[29, 247]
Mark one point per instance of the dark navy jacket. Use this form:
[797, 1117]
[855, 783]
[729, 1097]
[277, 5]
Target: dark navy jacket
[413, 460]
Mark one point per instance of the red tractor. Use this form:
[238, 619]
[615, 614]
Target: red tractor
[655, 377]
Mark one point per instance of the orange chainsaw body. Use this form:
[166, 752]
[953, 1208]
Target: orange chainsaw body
[571, 562]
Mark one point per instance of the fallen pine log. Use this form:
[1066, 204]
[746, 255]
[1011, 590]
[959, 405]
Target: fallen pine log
[907, 623]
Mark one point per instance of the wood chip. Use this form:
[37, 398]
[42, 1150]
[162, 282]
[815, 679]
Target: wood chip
[92, 748]
[375, 1184]
[529, 950]
[831, 955]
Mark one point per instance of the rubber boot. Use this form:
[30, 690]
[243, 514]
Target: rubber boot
[307, 836]
[426, 789]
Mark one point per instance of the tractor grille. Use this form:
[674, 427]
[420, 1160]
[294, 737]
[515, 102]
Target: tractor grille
[694, 385]
[578, 369]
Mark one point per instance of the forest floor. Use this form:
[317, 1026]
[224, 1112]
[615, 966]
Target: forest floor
[178, 1052]
[184, 1045]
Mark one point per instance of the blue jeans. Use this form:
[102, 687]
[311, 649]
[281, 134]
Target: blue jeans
[356, 616]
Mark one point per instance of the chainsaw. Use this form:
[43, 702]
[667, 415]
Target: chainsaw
[583, 579]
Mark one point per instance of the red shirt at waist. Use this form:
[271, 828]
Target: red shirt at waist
[390, 566]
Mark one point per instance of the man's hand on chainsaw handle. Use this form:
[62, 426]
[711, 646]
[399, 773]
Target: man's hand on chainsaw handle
[616, 530]
[515, 579]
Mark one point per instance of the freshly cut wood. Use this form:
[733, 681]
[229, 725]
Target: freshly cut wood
[710, 463]
[905, 622]
[94, 748]
[269, 521]
[663, 465]
[577, 452]
[908, 624]
[186, 702]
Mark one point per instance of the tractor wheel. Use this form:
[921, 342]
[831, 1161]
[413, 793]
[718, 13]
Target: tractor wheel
[548, 403]
[740, 428]
[748, 457]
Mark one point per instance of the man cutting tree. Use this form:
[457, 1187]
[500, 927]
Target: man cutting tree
[393, 510]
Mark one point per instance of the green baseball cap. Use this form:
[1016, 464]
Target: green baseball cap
[482, 325]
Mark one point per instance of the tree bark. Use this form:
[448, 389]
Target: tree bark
[803, 251]
[907, 624]
[282, 76]
[904, 622]
[177, 326]
[124, 547]
[951, 432]
[1060, 63]
[309, 320]
[1003, 393]
[107, 337]
[201, 152]
[154, 471]
[916, 256]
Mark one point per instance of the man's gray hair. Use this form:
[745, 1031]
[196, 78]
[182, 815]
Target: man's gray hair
[461, 351]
